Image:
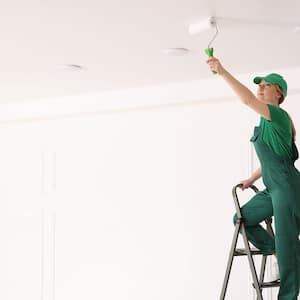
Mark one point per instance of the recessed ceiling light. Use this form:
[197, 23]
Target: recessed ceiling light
[176, 51]
[71, 67]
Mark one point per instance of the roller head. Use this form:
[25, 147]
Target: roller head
[205, 24]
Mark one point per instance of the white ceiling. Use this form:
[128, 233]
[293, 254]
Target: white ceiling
[120, 43]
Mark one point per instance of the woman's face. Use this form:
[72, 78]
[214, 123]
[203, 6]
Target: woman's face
[268, 93]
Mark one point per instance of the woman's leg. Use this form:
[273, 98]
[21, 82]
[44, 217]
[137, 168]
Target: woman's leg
[287, 223]
[256, 210]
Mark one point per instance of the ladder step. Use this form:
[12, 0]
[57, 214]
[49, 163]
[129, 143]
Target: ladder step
[242, 251]
[269, 284]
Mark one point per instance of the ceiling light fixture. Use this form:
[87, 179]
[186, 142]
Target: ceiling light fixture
[71, 67]
[176, 51]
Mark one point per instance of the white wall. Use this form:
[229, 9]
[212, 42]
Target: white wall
[130, 204]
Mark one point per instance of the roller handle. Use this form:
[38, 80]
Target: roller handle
[210, 53]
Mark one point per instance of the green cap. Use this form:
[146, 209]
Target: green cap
[273, 78]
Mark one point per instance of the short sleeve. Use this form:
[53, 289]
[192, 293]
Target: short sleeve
[279, 117]
[277, 132]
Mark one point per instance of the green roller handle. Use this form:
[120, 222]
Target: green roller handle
[210, 53]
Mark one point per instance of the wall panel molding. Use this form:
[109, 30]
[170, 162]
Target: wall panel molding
[48, 186]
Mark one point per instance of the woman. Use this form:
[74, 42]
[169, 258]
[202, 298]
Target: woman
[274, 143]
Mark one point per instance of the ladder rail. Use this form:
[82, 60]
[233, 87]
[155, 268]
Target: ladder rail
[251, 263]
[230, 259]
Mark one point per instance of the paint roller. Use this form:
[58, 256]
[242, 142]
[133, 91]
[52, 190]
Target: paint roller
[205, 24]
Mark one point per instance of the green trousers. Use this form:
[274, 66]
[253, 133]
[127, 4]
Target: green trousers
[280, 199]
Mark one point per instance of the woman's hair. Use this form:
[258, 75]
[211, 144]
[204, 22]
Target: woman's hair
[281, 99]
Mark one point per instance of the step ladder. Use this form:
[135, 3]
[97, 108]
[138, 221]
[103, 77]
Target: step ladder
[258, 284]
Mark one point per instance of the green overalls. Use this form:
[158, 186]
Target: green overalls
[281, 198]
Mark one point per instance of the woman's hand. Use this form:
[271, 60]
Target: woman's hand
[215, 65]
[246, 183]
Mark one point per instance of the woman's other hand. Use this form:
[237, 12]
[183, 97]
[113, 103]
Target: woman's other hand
[246, 183]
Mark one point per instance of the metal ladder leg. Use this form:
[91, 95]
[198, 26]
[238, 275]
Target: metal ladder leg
[230, 259]
[257, 283]
[251, 263]
[262, 272]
